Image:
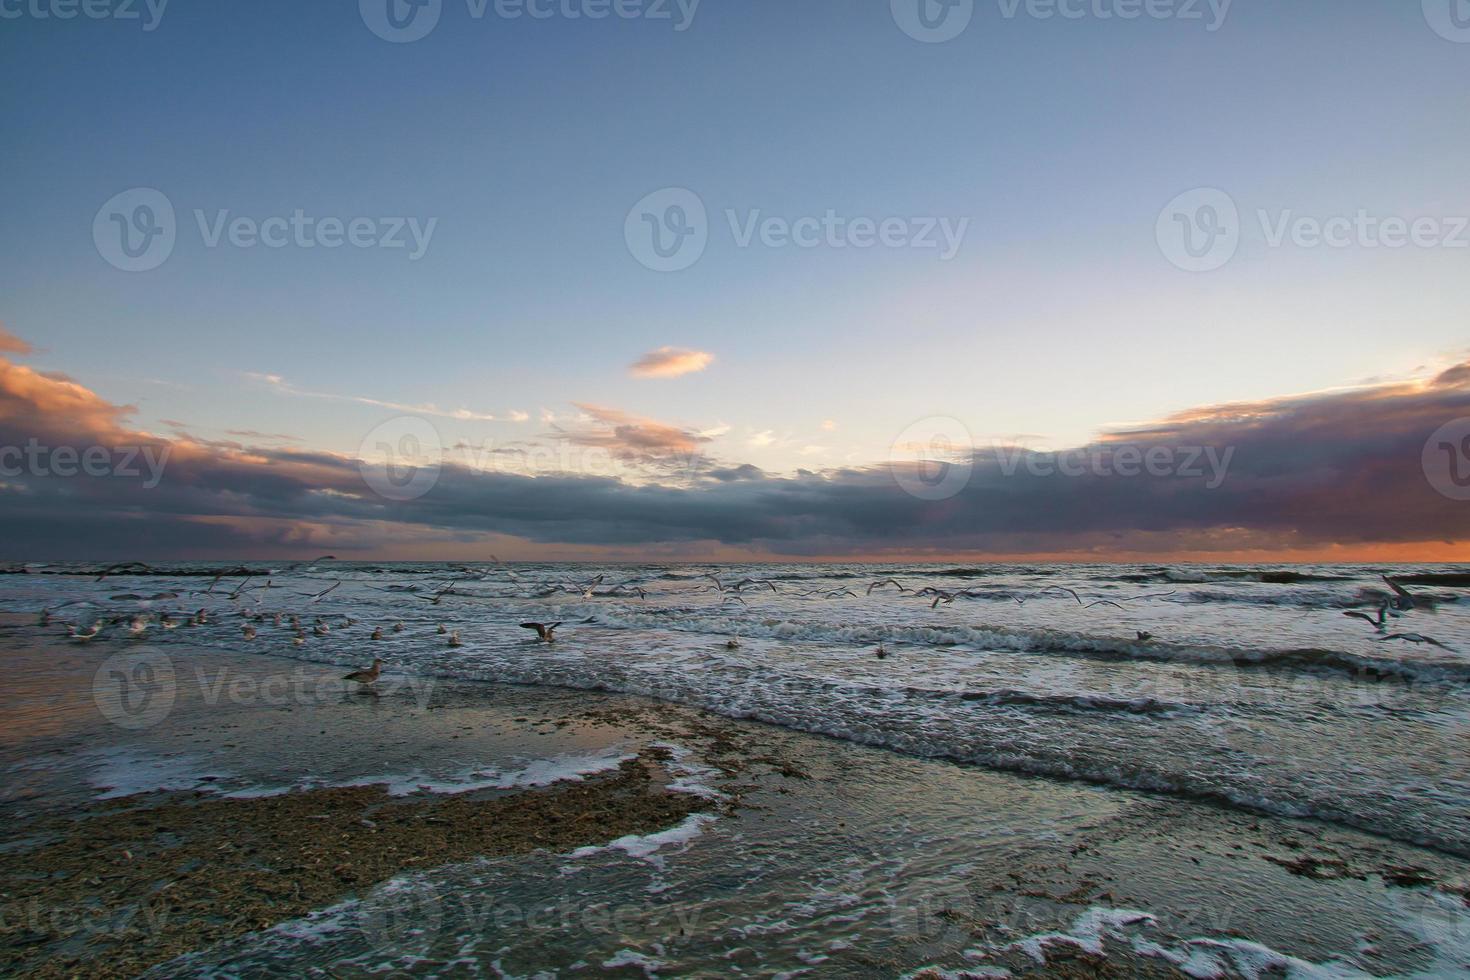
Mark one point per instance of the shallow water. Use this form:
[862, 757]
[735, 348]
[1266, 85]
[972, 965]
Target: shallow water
[1254, 690]
[876, 864]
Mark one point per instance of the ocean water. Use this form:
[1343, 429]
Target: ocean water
[1246, 687]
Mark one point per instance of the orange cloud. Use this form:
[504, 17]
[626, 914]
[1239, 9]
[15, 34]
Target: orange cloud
[11, 344]
[633, 439]
[670, 362]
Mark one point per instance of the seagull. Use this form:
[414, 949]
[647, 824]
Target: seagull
[82, 636]
[138, 626]
[732, 644]
[882, 653]
[125, 565]
[753, 581]
[1102, 602]
[454, 639]
[398, 627]
[443, 629]
[888, 581]
[377, 634]
[945, 597]
[1403, 600]
[1413, 638]
[249, 632]
[1378, 623]
[317, 596]
[321, 629]
[546, 631]
[366, 676]
[1144, 637]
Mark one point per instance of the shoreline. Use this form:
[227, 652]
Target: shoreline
[955, 864]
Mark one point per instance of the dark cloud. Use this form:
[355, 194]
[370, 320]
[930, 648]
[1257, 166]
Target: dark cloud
[1339, 468]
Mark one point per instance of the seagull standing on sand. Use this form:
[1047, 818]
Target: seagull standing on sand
[366, 677]
[545, 631]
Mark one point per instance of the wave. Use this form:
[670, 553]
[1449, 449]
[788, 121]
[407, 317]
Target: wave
[1055, 642]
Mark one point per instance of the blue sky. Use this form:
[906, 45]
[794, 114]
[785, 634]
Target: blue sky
[529, 141]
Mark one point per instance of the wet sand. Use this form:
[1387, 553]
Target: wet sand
[270, 794]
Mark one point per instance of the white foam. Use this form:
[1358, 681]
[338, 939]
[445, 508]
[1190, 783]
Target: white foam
[1203, 958]
[646, 847]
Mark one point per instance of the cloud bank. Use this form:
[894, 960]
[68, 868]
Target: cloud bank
[1305, 473]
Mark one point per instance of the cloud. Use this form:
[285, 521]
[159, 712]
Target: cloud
[670, 362]
[761, 439]
[11, 344]
[462, 414]
[1323, 471]
[633, 439]
[828, 425]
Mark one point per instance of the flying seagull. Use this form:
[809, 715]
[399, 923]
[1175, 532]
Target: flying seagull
[1413, 638]
[546, 631]
[1378, 623]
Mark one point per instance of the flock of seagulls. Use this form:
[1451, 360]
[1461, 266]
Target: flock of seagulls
[250, 592]
[1400, 602]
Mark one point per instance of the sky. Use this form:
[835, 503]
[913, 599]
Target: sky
[1046, 176]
